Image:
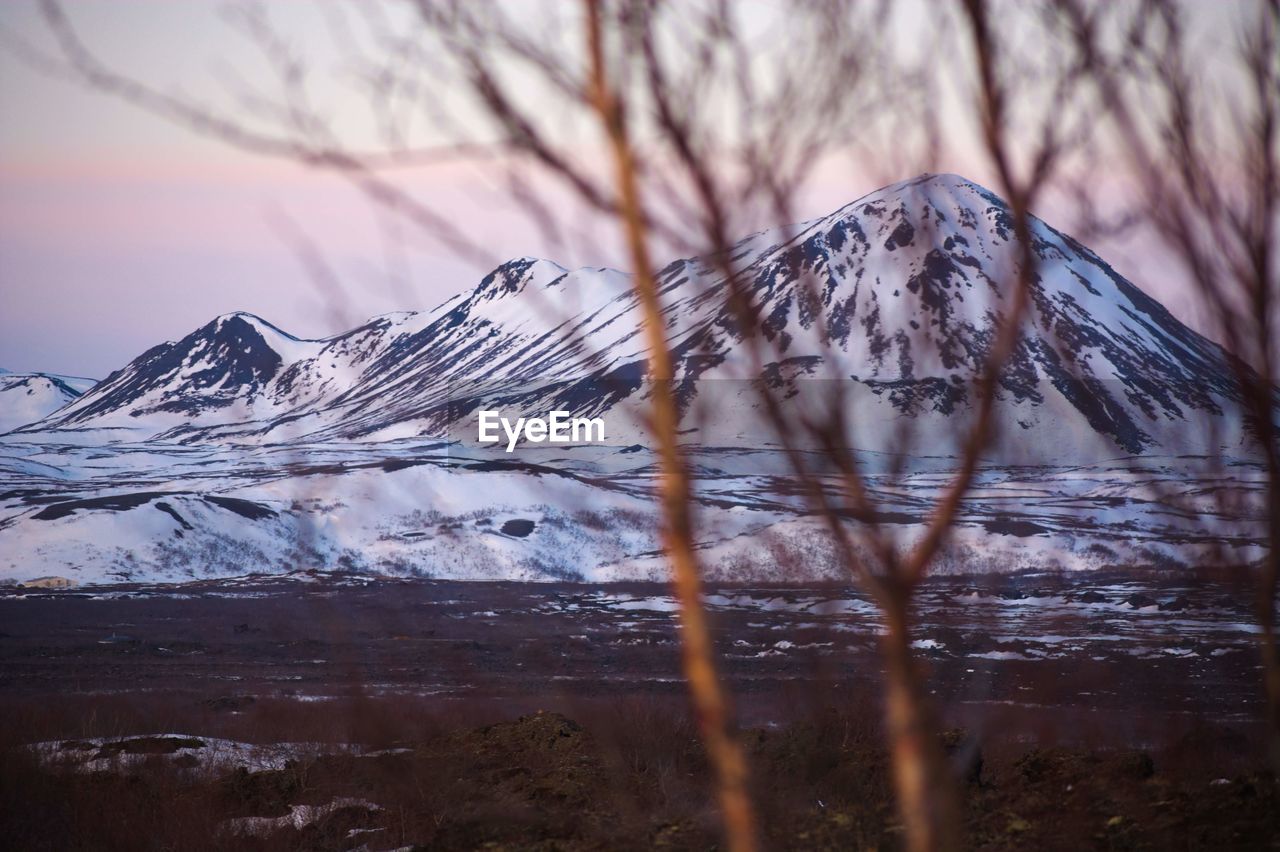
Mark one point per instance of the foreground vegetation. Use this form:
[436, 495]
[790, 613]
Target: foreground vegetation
[627, 774]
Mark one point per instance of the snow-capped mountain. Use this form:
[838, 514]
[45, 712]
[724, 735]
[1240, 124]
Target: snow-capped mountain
[28, 397]
[218, 372]
[243, 448]
[908, 283]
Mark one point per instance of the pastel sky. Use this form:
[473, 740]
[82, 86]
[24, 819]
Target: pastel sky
[119, 230]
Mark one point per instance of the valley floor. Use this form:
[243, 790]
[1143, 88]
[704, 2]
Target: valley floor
[336, 711]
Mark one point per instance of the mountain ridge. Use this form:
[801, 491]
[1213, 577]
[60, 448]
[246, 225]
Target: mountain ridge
[242, 448]
[28, 397]
[909, 279]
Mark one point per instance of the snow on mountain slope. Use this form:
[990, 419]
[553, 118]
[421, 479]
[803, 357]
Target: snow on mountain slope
[909, 283]
[912, 280]
[242, 448]
[28, 397]
[168, 513]
[217, 373]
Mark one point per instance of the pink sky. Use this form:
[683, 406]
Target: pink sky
[119, 230]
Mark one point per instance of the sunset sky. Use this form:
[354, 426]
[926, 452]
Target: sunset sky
[119, 230]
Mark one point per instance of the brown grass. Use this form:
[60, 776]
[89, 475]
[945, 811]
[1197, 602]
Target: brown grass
[616, 774]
